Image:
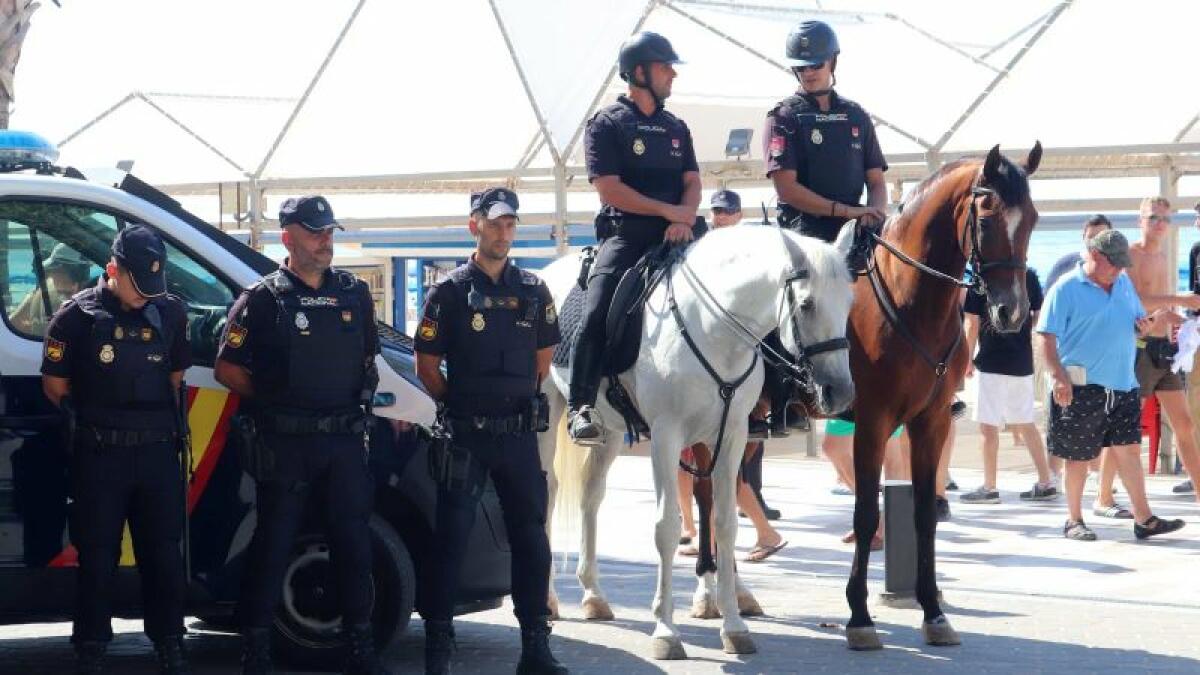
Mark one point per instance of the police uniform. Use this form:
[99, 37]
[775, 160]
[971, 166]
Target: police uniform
[650, 154]
[830, 151]
[125, 464]
[308, 351]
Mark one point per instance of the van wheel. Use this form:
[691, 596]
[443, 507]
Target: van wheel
[308, 623]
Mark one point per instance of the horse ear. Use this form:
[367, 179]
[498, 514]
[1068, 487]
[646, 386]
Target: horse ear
[991, 166]
[1034, 158]
[845, 239]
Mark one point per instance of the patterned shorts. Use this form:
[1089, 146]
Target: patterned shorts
[1097, 418]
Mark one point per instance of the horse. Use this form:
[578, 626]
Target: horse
[971, 217]
[697, 376]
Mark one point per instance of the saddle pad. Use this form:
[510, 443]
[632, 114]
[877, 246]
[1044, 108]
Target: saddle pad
[622, 350]
[570, 322]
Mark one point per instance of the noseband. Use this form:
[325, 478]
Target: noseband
[976, 265]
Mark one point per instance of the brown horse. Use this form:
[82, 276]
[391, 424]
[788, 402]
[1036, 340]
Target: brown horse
[970, 217]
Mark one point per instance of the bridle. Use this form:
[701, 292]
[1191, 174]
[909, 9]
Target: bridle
[800, 368]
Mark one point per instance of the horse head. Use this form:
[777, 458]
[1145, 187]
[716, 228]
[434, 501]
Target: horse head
[816, 295]
[996, 229]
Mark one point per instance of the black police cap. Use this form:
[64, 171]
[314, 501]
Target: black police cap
[311, 212]
[496, 202]
[812, 43]
[642, 48]
[726, 199]
[141, 252]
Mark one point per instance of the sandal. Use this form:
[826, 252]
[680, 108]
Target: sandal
[1113, 510]
[761, 553]
[1075, 529]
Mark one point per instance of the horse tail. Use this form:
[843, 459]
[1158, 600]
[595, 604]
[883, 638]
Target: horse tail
[567, 526]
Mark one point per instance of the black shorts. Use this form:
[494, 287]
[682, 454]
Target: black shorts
[1097, 418]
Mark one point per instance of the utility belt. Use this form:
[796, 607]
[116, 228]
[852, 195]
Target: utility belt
[352, 422]
[535, 417]
[124, 438]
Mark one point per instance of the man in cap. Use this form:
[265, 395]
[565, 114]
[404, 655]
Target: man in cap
[66, 272]
[299, 349]
[726, 208]
[821, 149]
[495, 326]
[1088, 324]
[641, 160]
[114, 359]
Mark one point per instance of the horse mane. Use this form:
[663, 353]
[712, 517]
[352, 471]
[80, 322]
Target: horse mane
[1012, 187]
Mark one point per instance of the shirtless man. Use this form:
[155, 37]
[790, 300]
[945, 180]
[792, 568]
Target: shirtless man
[1156, 287]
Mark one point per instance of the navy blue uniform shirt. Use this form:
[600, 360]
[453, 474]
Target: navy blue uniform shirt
[649, 153]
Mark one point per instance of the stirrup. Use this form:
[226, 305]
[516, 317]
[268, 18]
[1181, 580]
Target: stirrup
[585, 428]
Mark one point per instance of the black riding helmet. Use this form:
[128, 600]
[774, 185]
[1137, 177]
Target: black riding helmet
[810, 44]
[642, 49]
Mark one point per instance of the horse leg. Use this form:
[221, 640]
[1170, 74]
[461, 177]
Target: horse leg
[664, 457]
[928, 432]
[869, 439]
[735, 634]
[547, 448]
[704, 605]
[595, 476]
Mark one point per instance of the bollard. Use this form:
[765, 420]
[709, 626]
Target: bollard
[899, 545]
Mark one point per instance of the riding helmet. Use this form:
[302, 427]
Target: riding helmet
[643, 48]
[812, 43]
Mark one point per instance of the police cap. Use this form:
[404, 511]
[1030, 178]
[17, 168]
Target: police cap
[311, 212]
[726, 199]
[641, 48]
[811, 43]
[496, 202]
[141, 252]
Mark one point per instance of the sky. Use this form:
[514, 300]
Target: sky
[429, 86]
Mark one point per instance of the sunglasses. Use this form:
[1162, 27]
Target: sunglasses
[1155, 218]
[816, 67]
[717, 210]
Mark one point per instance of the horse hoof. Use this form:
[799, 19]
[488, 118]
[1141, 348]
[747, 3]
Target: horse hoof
[738, 643]
[939, 633]
[667, 649]
[748, 606]
[863, 639]
[705, 608]
[597, 609]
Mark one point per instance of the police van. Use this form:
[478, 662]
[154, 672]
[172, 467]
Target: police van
[50, 215]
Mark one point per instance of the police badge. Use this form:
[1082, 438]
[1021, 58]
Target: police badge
[639, 147]
[817, 138]
[301, 321]
[107, 355]
[477, 323]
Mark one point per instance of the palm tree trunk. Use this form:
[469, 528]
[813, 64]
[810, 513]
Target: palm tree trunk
[14, 25]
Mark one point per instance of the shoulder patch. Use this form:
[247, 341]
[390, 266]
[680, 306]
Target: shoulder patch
[236, 336]
[55, 349]
[428, 329]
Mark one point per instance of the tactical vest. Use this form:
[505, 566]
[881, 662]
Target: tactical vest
[491, 361]
[322, 347]
[652, 160]
[830, 164]
[126, 378]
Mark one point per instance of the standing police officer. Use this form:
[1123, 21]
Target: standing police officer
[821, 148]
[114, 360]
[495, 325]
[299, 350]
[641, 160]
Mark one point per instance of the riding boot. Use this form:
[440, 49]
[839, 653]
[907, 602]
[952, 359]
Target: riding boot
[361, 657]
[583, 423]
[89, 657]
[171, 660]
[256, 651]
[536, 658]
[439, 645]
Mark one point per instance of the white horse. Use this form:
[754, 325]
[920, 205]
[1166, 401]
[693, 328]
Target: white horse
[732, 288]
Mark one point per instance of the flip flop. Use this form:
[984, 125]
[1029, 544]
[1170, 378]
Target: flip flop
[761, 553]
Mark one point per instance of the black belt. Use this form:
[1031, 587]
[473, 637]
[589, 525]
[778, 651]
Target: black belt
[509, 424]
[128, 437]
[345, 423]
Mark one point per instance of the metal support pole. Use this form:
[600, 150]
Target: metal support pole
[560, 208]
[900, 545]
[256, 214]
[1168, 186]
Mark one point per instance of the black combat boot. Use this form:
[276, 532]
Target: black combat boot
[536, 658]
[89, 657]
[361, 658]
[256, 651]
[171, 660]
[439, 645]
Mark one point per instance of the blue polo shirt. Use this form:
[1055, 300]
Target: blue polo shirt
[1094, 328]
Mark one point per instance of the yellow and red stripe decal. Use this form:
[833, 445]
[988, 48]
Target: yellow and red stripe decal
[209, 411]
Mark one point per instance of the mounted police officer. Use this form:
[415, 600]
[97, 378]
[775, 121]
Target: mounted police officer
[821, 149]
[641, 160]
[299, 349]
[114, 360]
[495, 326]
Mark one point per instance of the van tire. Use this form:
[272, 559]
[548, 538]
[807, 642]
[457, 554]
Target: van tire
[298, 639]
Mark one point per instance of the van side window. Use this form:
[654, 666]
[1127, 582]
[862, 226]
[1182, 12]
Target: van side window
[208, 300]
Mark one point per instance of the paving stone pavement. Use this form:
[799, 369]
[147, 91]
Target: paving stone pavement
[1022, 597]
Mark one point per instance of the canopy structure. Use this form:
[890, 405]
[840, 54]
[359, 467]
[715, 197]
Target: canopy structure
[406, 107]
